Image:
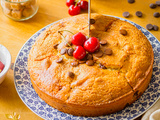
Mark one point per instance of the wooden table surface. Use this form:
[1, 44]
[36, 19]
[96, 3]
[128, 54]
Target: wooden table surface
[14, 34]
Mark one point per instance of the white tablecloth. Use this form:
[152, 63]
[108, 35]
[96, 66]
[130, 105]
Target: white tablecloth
[153, 113]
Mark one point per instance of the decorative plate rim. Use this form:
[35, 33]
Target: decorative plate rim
[79, 117]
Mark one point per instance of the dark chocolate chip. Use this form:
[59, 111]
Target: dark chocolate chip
[82, 62]
[102, 66]
[63, 51]
[68, 42]
[156, 14]
[92, 21]
[155, 27]
[59, 60]
[89, 57]
[158, 3]
[123, 32]
[108, 51]
[70, 51]
[55, 46]
[149, 26]
[103, 42]
[71, 74]
[90, 62]
[98, 54]
[126, 14]
[131, 1]
[75, 63]
[84, 59]
[139, 14]
[152, 5]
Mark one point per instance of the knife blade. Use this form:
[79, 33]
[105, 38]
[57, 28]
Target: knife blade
[89, 16]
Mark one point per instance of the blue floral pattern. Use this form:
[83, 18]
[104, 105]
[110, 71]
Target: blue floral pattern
[38, 106]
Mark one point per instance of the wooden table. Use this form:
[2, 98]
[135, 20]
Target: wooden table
[14, 34]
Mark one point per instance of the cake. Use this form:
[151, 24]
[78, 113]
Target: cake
[121, 71]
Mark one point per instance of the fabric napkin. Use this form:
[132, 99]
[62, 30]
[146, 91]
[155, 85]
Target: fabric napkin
[153, 113]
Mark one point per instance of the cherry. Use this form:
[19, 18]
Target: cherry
[70, 2]
[92, 44]
[79, 53]
[1, 66]
[74, 10]
[78, 39]
[83, 4]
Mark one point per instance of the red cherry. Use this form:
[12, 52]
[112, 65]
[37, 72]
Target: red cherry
[83, 4]
[92, 44]
[1, 66]
[78, 39]
[74, 10]
[70, 2]
[79, 53]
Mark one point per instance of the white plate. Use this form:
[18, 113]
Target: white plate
[37, 105]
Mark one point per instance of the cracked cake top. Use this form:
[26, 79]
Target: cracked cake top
[124, 60]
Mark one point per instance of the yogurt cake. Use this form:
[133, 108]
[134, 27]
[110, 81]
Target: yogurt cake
[105, 81]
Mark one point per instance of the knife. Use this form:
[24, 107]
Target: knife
[89, 16]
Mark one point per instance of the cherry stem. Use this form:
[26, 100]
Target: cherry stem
[65, 39]
[76, 2]
[66, 31]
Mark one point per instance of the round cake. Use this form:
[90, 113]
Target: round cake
[104, 81]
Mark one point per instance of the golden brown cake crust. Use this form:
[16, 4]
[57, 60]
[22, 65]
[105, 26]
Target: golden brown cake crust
[93, 91]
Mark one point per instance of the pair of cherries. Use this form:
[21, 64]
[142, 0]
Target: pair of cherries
[83, 44]
[76, 6]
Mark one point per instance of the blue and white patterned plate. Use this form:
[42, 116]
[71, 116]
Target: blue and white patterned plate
[37, 105]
